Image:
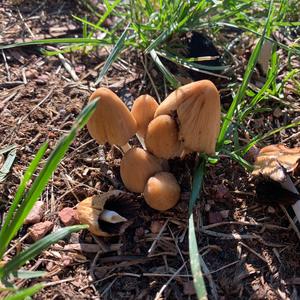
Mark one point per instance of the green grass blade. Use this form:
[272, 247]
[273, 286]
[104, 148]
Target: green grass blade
[87, 23]
[113, 55]
[89, 41]
[271, 78]
[24, 293]
[260, 138]
[109, 10]
[162, 37]
[37, 248]
[248, 73]
[188, 64]
[195, 257]
[41, 181]
[167, 74]
[192, 66]
[24, 274]
[247, 166]
[19, 194]
[244, 28]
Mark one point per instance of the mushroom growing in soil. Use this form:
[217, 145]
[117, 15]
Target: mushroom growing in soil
[137, 166]
[274, 162]
[162, 137]
[197, 110]
[112, 121]
[143, 110]
[107, 214]
[162, 191]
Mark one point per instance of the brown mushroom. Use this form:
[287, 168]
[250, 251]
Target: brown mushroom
[274, 162]
[272, 158]
[162, 137]
[107, 214]
[162, 191]
[198, 109]
[137, 166]
[111, 122]
[143, 110]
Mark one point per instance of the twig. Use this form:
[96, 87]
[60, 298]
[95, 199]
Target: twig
[16, 244]
[253, 251]
[269, 226]
[225, 267]
[108, 287]
[152, 247]
[6, 66]
[158, 295]
[68, 67]
[25, 24]
[38, 105]
[211, 282]
[291, 220]
[229, 236]
[58, 282]
[151, 80]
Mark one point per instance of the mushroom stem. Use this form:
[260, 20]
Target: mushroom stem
[141, 140]
[126, 147]
[289, 185]
[111, 216]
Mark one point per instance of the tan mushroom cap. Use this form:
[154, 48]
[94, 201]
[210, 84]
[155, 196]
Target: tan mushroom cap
[89, 211]
[162, 137]
[275, 161]
[143, 110]
[112, 121]
[137, 166]
[107, 214]
[198, 110]
[162, 191]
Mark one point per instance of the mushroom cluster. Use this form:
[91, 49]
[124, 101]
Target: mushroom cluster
[188, 120]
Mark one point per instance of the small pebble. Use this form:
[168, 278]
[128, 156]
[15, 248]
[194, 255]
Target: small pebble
[68, 216]
[31, 74]
[156, 226]
[36, 213]
[39, 230]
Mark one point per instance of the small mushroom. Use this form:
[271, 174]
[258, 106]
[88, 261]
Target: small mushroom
[198, 109]
[143, 110]
[277, 160]
[112, 121]
[108, 213]
[274, 162]
[137, 166]
[162, 137]
[162, 191]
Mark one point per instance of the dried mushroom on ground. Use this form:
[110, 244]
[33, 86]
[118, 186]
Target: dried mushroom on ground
[272, 167]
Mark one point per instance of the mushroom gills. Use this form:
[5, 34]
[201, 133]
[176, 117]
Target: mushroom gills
[111, 216]
[108, 214]
[116, 214]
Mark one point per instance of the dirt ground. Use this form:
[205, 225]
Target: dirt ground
[250, 249]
